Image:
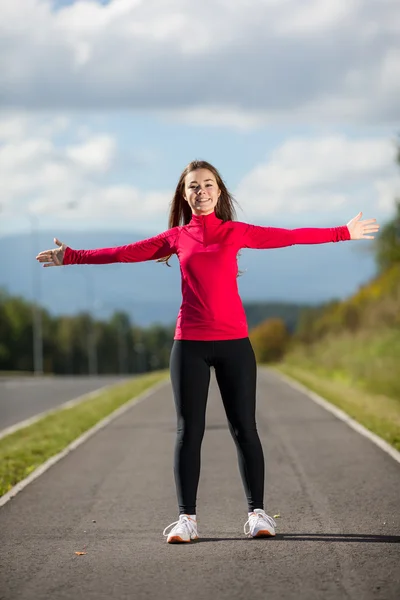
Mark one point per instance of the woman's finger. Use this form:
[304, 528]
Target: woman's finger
[48, 254]
[44, 257]
[45, 253]
[368, 221]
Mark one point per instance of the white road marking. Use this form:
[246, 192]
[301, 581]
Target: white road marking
[68, 404]
[54, 459]
[340, 414]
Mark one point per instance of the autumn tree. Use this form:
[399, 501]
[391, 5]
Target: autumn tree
[269, 340]
[388, 241]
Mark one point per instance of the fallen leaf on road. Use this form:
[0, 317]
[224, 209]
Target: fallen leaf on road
[277, 516]
[80, 553]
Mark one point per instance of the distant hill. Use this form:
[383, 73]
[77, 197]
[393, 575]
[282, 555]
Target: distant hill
[150, 292]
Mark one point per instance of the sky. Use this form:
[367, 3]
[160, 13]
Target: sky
[103, 104]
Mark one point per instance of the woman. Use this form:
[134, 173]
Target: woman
[211, 329]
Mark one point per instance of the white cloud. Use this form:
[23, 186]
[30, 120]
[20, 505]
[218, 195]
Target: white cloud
[21, 154]
[217, 116]
[386, 190]
[34, 166]
[310, 16]
[16, 125]
[95, 154]
[258, 60]
[42, 176]
[123, 202]
[332, 174]
[331, 177]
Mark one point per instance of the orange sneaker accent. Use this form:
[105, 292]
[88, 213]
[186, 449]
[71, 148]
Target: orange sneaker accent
[183, 530]
[258, 519]
[264, 533]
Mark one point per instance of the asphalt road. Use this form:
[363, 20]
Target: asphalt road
[25, 397]
[337, 494]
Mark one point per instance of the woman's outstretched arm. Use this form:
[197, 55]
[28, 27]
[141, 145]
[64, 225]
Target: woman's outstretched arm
[150, 249]
[254, 236]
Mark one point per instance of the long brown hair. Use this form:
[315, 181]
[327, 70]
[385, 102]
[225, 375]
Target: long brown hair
[181, 213]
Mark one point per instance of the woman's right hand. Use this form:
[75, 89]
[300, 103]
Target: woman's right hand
[53, 258]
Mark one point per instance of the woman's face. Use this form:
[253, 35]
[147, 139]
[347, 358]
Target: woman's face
[201, 191]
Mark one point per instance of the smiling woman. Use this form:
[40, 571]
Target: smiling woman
[200, 191]
[211, 329]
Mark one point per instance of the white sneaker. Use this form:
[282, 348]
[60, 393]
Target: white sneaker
[259, 524]
[185, 530]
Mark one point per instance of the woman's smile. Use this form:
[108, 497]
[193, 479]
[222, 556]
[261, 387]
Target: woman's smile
[197, 184]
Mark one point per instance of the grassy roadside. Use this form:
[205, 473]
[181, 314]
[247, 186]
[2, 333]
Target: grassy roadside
[25, 450]
[377, 412]
[368, 360]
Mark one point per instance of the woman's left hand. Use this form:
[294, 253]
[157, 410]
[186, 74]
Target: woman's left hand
[360, 230]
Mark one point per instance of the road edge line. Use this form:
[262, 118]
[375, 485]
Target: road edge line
[68, 404]
[77, 442]
[340, 414]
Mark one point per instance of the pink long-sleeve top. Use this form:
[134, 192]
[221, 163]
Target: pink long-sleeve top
[207, 250]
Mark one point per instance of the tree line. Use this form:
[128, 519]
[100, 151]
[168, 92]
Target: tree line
[80, 344]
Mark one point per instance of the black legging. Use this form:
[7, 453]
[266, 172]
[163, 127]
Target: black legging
[235, 370]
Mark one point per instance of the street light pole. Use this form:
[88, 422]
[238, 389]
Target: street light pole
[123, 367]
[37, 324]
[122, 351]
[92, 345]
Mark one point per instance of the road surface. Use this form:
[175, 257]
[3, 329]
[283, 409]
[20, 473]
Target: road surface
[25, 397]
[337, 494]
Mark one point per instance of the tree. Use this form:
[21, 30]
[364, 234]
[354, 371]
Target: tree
[388, 242]
[269, 340]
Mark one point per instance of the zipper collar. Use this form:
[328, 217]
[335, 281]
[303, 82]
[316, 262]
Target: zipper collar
[210, 220]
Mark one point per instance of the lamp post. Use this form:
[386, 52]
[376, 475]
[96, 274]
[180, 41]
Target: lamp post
[139, 348]
[123, 366]
[37, 324]
[90, 303]
[92, 346]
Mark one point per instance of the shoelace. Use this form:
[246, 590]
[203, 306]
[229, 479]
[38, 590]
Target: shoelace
[183, 522]
[255, 517]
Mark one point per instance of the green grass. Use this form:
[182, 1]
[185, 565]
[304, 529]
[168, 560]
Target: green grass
[25, 450]
[367, 360]
[377, 412]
